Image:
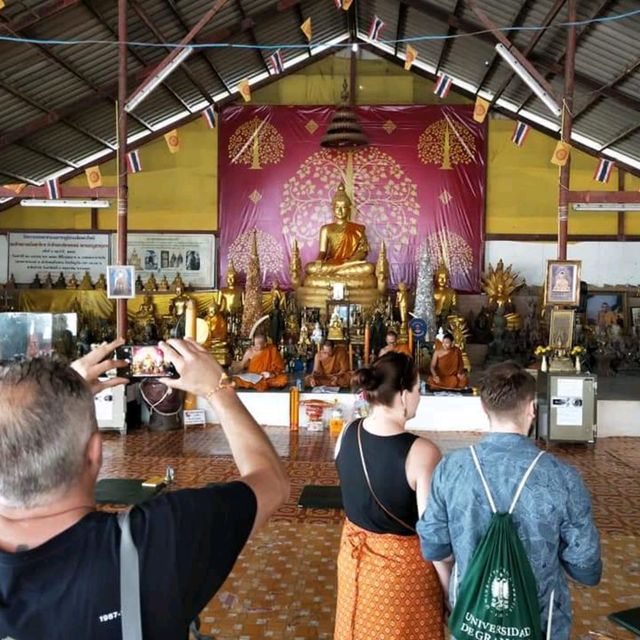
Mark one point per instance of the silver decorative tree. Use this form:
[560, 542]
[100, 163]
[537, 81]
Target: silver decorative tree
[424, 306]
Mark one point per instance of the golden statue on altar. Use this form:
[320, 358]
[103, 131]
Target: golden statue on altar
[341, 259]
[500, 284]
[444, 297]
[147, 311]
[232, 294]
[86, 284]
[216, 341]
[178, 304]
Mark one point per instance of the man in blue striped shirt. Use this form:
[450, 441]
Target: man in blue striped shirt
[553, 515]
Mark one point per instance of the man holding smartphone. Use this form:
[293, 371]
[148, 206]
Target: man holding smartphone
[59, 557]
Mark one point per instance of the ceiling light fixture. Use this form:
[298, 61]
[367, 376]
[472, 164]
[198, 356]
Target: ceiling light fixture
[606, 206]
[154, 80]
[79, 204]
[528, 79]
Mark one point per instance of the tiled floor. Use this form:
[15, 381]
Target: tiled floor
[283, 585]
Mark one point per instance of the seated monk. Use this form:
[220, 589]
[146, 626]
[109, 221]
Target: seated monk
[330, 367]
[343, 250]
[392, 345]
[447, 368]
[263, 359]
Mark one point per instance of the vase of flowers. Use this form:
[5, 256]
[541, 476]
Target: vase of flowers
[543, 352]
[577, 352]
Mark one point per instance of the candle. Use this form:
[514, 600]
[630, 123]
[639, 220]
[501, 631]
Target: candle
[411, 341]
[367, 343]
[190, 317]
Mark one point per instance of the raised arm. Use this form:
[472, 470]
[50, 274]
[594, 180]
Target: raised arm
[256, 459]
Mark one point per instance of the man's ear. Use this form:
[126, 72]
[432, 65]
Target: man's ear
[94, 453]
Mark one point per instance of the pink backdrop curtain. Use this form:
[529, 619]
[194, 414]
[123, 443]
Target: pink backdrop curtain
[420, 181]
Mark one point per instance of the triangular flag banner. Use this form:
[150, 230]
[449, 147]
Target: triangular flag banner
[53, 188]
[561, 153]
[173, 141]
[94, 177]
[1, 4]
[520, 133]
[410, 57]
[306, 28]
[343, 4]
[17, 188]
[245, 90]
[481, 109]
[133, 162]
[443, 86]
[603, 170]
[209, 115]
[377, 25]
[277, 64]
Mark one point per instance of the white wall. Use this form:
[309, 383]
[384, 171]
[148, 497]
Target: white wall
[603, 263]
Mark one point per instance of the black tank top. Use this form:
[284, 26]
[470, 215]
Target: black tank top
[385, 457]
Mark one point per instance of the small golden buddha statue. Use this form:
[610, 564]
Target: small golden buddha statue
[164, 284]
[61, 283]
[402, 304]
[73, 282]
[217, 332]
[151, 284]
[336, 327]
[178, 282]
[101, 283]
[343, 249]
[444, 296]
[36, 284]
[232, 294]
[179, 302]
[86, 283]
[500, 284]
[278, 294]
[147, 310]
[48, 282]
[382, 270]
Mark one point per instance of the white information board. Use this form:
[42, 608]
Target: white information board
[69, 253]
[4, 258]
[192, 255]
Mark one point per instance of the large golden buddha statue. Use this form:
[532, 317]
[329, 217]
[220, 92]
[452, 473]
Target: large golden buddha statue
[444, 296]
[341, 259]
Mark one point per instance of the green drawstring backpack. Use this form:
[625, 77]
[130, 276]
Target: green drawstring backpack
[498, 597]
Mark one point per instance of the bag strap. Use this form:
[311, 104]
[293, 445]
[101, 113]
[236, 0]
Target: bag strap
[520, 486]
[131, 619]
[550, 618]
[366, 476]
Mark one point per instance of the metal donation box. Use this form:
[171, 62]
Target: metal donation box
[567, 407]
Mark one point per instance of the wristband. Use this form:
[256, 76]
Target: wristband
[225, 382]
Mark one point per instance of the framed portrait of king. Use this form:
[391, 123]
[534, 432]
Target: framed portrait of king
[562, 286]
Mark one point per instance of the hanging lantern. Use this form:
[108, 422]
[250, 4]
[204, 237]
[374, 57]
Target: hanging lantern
[344, 131]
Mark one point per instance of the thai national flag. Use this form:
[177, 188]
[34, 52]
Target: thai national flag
[520, 133]
[209, 115]
[53, 188]
[443, 85]
[603, 170]
[377, 25]
[276, 62]
[133, 162]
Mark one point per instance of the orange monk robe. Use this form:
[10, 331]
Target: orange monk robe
[346, 246]
[269, 359]
[399, 348]
[448, 366]
[324, 368]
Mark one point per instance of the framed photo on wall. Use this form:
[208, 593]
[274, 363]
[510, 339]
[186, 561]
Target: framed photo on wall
[562, 285]
[561, 329]
[121, 282]
[635, 316]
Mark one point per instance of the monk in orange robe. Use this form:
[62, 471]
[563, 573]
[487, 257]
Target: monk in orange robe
[262, 359]
[331, 368]
[392, 345]
[447, 367]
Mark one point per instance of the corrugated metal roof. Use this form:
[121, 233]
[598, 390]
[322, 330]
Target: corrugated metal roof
[32, 84]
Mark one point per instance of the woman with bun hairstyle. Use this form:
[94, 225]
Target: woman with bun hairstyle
[385, 588]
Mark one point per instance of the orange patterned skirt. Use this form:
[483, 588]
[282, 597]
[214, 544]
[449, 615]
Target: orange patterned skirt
[386, 590]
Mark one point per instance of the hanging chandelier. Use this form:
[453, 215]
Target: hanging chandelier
[344, 131]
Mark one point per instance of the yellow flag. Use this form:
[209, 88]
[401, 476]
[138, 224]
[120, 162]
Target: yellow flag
[561, 153]
[245, 90]
[306, 28]
[173, 141]
[18, 187]
[346, 4]
[410, 57]
[481, 109]
[94, 177]
[1, 4]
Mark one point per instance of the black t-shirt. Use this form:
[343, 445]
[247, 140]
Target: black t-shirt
[69, 587]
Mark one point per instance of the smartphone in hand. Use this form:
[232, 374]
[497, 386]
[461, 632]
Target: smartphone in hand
[145, 361]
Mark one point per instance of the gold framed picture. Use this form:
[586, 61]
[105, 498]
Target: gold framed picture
[561, 329]
[562, 286]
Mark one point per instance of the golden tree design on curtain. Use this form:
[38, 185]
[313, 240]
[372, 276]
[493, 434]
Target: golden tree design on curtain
[256, 143]
[446, 143]
[384, 198]
[448, 248]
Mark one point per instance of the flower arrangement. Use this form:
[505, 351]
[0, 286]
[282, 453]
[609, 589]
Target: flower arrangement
[578, 350]
[542, 350]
